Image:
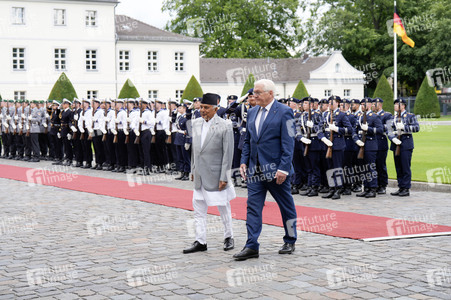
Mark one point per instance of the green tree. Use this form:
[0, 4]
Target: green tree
[384, 91]
[192, 90]
[128, 90]
[248, 84]
[238, 28]
[63, 88]
[426, 102]
[300, 91]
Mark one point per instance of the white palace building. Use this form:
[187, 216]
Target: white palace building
[99, 50]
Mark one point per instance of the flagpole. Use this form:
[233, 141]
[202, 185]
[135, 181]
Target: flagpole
[395, 71]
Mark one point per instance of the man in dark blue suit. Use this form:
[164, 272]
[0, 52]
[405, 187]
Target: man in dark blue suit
[266, 163]
[405, 124]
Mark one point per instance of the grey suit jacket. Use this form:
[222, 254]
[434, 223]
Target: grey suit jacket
[212, 162]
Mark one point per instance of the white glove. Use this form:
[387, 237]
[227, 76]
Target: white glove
[333, 127]
[141, 120]
[168, 132]
[129, 120]
[364, 126]
[113, 131]
[30, 117]
[6, 125]
[327, 142]
[16, 118]
[14, 126]
[400, 126]
[396, 141]
[27, 127]
[136, 131]
[1, 117]
[306, 140]
[125, 131]
[152, 131]
[58, 135]
[82, 130]
[47, 115]
[103, 130]
[309, 124]
[20, 126]
[187, 146]
[8, 118]
[69, 136]
[360, 143]
[45, 125]
[117, 121]
[76, 117]
[73, 128]
[191, 106]
[90, 130]
[242, 98]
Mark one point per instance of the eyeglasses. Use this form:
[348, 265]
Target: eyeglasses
[259, 93]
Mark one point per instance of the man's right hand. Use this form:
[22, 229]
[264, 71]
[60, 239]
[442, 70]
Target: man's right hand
[243, 169]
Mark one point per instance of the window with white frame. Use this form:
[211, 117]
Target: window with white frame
[91, 60]
[18, 59]
[153, 94]
[124, 60]
[178, 94]
[152, 61]
[91, 18]
[60, 59]
[18, 15]
[92, 94]
[60, 17]
[347, 93]
[337, 68]
[20, 95]
[179, 61]
[327, 93]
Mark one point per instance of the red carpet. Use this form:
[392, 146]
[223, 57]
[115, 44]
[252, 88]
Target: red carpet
[318, 220]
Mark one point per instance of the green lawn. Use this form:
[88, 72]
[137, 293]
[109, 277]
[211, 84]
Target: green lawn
[432, 150]
[444, 118]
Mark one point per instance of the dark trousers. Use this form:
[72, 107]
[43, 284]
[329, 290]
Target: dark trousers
[44, 143]
[121, 150]
[35, 145]
[56, 150]
[78, 150]
[12, 144]
[146, 140]
[300, 168]
[336, 162]
[236, 154]
[110, 153]
[172, 150]
[323, 167]
[132, 150]
[186, 160]
[27, 145]
[313, 162]
[87, 149]
[403, 172]
[68, 152]
[19, 144]
[370, 169]
[257, 190]
[381, 168]
[161, 149]
[98, 149]
[5, 143]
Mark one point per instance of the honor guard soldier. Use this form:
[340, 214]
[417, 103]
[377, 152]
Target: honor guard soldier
[365, 136]
[382, 145]
[147, 122]
[86, 133]
[196, 110]
[120, 146]
[108, 143]
[172, 152]
[351, 147]
[310, 138]
[402, 146]
[183, 162]
[300, 172]
[221, 112]
[11, 131]
[5, 128]
[44, 134]
[98, 127]
[76, 123]
[35, 119]
[356, 185]
[132, 132]
[67, 117]
[337, 125]
[236, 122]
[26, 131]
[55, 142]
[19, 130]
[162, 133]
[323, 110]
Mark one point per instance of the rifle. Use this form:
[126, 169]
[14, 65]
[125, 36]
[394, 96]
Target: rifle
[7, 114]
[47, 111]
[155, 126]
[106, 124]
[329, 149]
[74, 135]
[306, 149]
[15, 121]
[169, 139]
[115, 117]
[398, 147]
[92, 120]
[140, 124]
[82, 135]
[127, 138]
[362, 149]
[22, 114]
[28, 121]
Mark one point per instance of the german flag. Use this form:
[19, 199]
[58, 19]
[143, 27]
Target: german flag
[399, 29]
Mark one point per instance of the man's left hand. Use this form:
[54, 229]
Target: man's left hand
[222, 185]
[280, 177]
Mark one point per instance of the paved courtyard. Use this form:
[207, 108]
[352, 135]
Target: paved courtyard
[62, 244]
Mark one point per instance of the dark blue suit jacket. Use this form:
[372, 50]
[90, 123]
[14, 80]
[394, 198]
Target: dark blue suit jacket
[272, 149]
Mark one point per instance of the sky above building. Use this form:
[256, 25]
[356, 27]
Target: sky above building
[148, 11]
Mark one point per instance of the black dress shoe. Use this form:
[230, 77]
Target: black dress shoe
[397, 192]
[196, 247]
[110, 168]
[246, 253]
[57, 163]
[244, 184]
[26, 159]
[371, 193]
[87, 166]
[336, 195]
[346, 192]
[404, 193]
[306, 192]
[34, 160]
[79, 164]
[287, 248]
[330, 194]
[381, 190]
[356, 189]
[185, 177]
[362, 194]
[294, 190]
[229, 244]
[99, 167]
[323, 190]
[313, 192]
